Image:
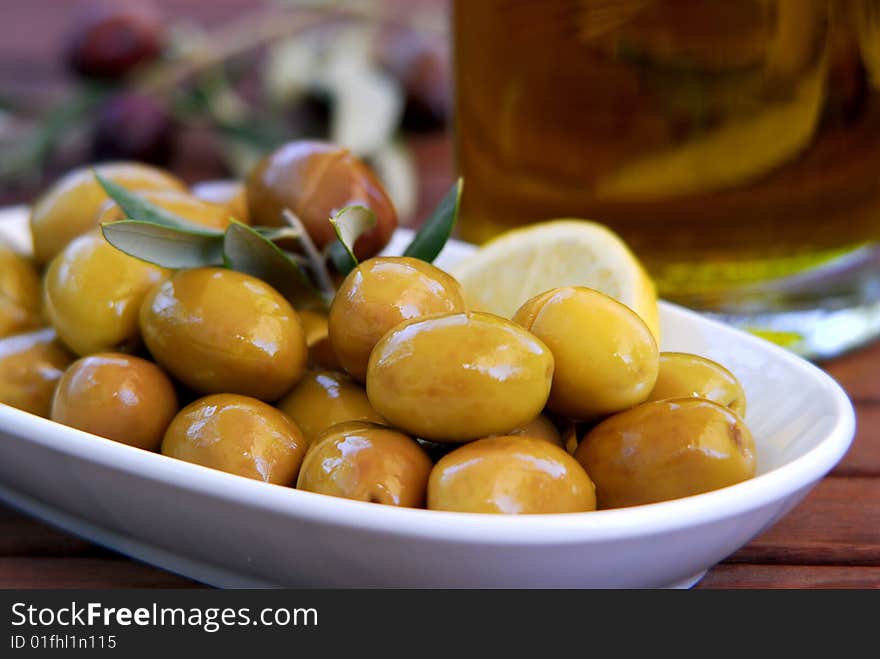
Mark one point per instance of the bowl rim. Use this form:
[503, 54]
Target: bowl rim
[596, 526]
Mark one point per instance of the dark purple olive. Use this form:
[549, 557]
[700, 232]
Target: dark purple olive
[133, 127]
[109, 40]
[421, 66]
[310, 115]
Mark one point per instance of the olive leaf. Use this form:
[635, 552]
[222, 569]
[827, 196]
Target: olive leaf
[431, 238]
[275, 233]
[351, 223]
[247, 250]
[165, 246]
[136, 207]
[341, 258]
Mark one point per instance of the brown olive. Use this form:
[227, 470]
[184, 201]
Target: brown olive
[323, 399]
[682, 374]
[70, 206]
[120, 397]
[315, 180]
[93, 293]
[461, 376]
[378, 295]
[231, 194]
[239, 435]
[19, 293]
[182, 204]
[367, 462]
[30, 366]
[511, 475]
[665, 450]
[606, 357]
[222, 331]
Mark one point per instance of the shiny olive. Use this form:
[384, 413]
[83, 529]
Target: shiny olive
[316, 327]
[222, 331]
[606, 357]
[93, 292]
[315, 180]
[665, 450]
[511, 475]
[539, 428]
[182, 204]
[70, 207]
[231, 194]
[460, 376]
[378, 295]
[120, 397]
[367, 462]
[19, 293]
[683, 374]
[30, 366]
[239, 435]
[323, 399]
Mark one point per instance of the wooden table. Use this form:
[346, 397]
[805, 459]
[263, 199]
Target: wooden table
[832, 540]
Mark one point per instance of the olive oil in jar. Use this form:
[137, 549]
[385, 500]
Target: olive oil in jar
[734, 145]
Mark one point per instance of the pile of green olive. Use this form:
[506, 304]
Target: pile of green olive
[397, 394]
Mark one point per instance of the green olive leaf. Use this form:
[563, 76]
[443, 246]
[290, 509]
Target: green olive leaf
[351, 223]
[341, 258]
[275, 233]
[246, 250]
[137, 208]
[431, 238]
[165, 246]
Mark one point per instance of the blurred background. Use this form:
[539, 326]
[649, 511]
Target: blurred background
[205, 87]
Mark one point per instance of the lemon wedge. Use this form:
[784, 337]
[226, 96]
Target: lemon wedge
[520, 263]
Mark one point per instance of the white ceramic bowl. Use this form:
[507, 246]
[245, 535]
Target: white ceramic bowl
[230, 531]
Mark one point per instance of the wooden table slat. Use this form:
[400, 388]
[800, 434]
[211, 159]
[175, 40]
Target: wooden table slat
[112, 572]
[863, 457]
[838, 522]
[790, 576]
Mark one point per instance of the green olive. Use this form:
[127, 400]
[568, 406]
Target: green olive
[120, 397]
[30, 366]
[461, 376]
[222, 331]
[367, 462]
[539, 428]
[92, 294]
[316, 327]
[70, 207]
[510, 475]
[182, 204]
[239, 435]
[606, 357]
[683, 374]
[315, 180]
[19, 293]
[665, 450]
[380, 294]
[230, 194]
[323, 399]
